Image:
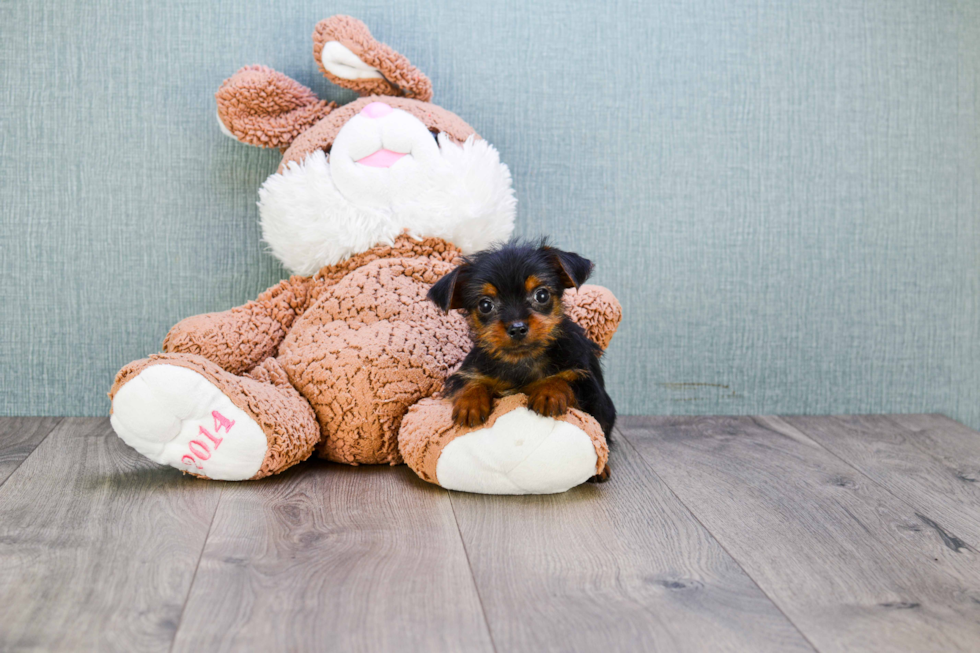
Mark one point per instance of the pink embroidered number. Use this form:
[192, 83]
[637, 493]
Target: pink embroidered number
[220, 421]
[199, 450]
[214, 440]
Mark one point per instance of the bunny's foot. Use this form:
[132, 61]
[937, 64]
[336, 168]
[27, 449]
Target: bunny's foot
[515, 452]
[184, 411]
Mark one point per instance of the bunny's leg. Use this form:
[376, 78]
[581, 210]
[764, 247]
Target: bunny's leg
[185, 411]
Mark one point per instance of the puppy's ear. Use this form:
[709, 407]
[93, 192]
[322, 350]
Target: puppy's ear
[447, 293]
[572, 269]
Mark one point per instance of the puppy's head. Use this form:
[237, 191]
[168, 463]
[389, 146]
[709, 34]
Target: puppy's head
[513, 296]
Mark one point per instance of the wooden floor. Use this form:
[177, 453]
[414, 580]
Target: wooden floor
[714, 534]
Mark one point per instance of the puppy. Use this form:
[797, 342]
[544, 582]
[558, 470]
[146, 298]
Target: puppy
[523, 342]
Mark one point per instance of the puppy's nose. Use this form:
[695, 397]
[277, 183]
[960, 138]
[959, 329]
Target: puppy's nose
[517, 330]
[376, 110]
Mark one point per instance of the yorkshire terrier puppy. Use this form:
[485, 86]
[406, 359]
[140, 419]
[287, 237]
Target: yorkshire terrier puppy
[523, 342]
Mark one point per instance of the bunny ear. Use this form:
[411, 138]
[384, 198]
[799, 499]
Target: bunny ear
[262, 107]
[349, 56]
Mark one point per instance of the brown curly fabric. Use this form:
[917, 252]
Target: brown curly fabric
[400, 76]
[240, 338]
[265, 108]
[428, 427]
[432, 248]
[368, 350]
[596, 310]
[265, 395]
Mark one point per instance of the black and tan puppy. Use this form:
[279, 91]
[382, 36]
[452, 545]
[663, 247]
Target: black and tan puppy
[523, 342]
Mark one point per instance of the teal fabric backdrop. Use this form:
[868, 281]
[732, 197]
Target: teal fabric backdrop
[784, 195]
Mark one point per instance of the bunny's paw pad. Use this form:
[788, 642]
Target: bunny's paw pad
[522, 453]
[175, 416]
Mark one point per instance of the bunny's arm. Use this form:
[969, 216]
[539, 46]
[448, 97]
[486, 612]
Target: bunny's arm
[596, 310]
[242, 337]
[259, 106]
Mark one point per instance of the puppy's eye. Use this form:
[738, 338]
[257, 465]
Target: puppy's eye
[485, 306]
[541, 295]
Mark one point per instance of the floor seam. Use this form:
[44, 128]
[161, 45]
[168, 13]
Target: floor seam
[469, 565]
[626, 438]
[34, 450]
[190, 588]
[915, 509]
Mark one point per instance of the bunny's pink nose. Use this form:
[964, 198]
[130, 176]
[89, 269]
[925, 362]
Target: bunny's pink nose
[376, 110]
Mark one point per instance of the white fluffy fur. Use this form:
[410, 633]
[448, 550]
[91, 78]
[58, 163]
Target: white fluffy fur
[463, 195]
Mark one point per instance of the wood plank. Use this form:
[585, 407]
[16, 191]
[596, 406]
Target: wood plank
[18, 438]
[98, 546]
[330, 556]
[619, 566]
[853, 566]
[928, 461]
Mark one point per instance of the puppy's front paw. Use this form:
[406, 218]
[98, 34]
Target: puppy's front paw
[471, 407]
[551, 397]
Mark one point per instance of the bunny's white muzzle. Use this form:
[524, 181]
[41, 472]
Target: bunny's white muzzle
[386, 174]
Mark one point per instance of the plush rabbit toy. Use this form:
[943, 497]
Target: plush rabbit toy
[373, 202]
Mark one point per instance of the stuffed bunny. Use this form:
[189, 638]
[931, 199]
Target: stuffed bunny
[373, 202]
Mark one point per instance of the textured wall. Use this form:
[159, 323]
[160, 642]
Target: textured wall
[783, 194]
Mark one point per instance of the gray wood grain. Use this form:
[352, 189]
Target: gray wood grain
[929, 461]
[334, 557]
[621, 566]
[18, 438]
[98, 546]
[853, 566]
